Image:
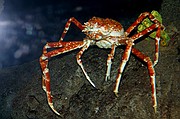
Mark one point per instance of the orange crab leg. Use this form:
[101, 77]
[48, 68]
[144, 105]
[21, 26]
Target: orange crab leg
[141, 17]
[63, 47]
[79, 61]
[109, 62]
[125, 58]
[151, 74]
[68, 23]
[157, 26]
[127, 52]
[126, 55]
[157, 38]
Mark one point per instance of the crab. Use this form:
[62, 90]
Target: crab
[109, 34]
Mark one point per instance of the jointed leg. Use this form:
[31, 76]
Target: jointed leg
[109, 62]
[157, 25]
[151, 74]
[79, 61]
[46, 82]
[157, 40]
[125, 58]
[141, 17]
[76, 22]
[63, 47]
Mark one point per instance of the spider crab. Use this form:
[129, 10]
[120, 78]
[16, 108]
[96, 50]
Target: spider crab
[105, 33]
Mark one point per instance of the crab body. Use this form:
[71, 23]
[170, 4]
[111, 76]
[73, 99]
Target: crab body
[105, 33]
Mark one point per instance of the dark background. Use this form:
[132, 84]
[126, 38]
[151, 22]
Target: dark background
[26, 25]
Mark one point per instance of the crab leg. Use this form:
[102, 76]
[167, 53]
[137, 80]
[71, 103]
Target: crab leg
[157, 26]
[151, 74]
[64, 47]
[79, 61]
[141, 17]
[109, 62]
[68, 23]
[157, 38]
[125, 58]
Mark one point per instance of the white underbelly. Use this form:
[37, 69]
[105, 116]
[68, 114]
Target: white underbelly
[104, 44]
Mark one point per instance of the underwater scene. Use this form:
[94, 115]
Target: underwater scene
[89, 59]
